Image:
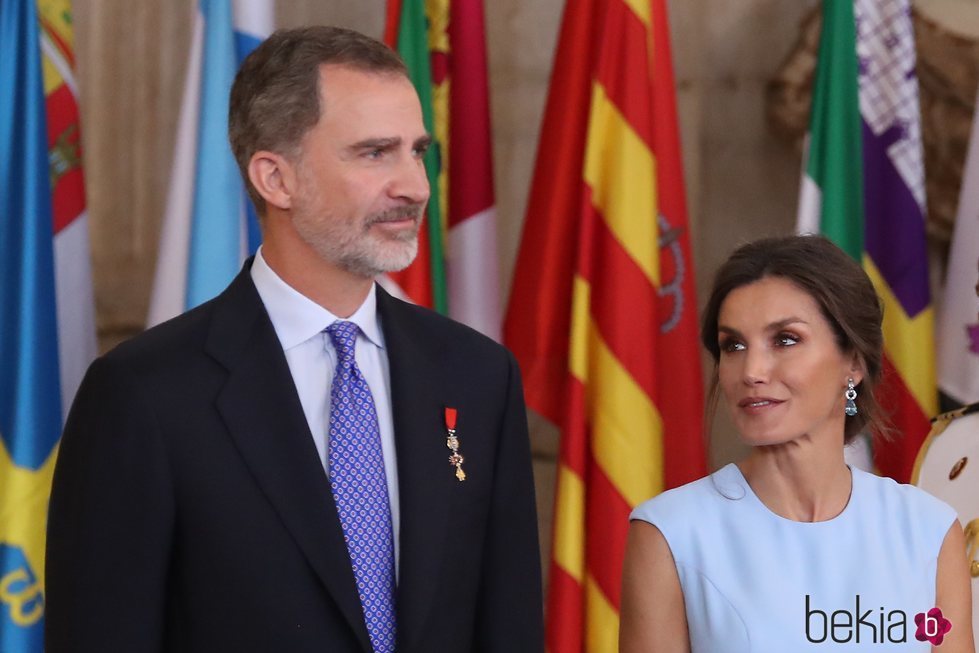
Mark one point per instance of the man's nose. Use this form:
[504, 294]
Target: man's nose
[410, 181]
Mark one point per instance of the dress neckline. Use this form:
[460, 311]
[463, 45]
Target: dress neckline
[735, 472]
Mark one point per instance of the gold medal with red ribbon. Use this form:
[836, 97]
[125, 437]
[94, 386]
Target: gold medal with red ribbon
[452, 442]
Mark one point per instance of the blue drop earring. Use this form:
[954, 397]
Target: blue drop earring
[851, 393]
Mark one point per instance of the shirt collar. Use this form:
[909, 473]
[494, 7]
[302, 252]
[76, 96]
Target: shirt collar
[296, 318]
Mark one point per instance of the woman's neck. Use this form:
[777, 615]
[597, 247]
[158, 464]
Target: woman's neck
[799, 480]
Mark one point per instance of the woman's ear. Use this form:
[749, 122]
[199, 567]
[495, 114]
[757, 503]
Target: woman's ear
[274, 177]
[857, 369]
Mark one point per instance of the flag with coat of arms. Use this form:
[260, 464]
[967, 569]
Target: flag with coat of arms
[47, 325]
[864, 189]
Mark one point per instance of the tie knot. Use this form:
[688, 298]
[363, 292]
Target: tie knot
[344, 337]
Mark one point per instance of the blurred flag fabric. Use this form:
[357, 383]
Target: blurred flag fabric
[958, 323]
[47, 325]
[457, 271]
[603, 315]
[863, 187]
[209, 225]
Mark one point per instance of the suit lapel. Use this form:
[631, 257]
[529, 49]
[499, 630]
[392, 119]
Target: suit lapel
[418, 401]
[261, 409]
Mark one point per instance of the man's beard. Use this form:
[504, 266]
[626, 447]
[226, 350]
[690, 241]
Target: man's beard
[354, 247]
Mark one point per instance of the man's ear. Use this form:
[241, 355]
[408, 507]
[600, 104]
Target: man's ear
[274, 177]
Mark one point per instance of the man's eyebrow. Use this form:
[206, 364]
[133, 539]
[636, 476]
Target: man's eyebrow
[375, 144]
[389, 143]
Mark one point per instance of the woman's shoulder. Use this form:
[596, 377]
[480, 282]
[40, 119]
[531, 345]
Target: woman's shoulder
[695, 498]
[917, 509]
[886, 489]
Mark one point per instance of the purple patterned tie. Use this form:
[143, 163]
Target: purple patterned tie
[360, 488]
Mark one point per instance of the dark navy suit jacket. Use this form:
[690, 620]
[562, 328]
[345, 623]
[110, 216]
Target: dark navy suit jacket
[190, 511]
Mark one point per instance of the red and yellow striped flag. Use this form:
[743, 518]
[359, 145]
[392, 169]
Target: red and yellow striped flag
[602, 316]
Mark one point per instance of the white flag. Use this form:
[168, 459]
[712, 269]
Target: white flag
[958, 322]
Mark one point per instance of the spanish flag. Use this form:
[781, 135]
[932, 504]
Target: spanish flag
[603, 315]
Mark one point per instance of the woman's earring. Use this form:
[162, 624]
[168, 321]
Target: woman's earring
[851, 406]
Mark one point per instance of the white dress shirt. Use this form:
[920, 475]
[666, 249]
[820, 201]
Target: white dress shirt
[299, 323]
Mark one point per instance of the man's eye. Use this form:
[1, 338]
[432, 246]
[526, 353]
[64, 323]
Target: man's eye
[376, 153]
[420, 151]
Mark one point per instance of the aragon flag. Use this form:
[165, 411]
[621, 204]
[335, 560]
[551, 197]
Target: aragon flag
[602, 316]
[443, 44]
[47, 326]
[864, 189]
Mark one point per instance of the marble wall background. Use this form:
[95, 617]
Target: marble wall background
[742, 180]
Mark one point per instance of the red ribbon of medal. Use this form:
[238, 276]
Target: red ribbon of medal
[452, 442]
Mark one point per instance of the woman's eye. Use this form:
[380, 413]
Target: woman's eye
[786, 340]
[732, 346]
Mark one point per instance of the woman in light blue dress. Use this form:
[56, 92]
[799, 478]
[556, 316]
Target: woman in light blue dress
[790, 549]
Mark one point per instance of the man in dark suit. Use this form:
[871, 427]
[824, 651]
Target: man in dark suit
[303, 463]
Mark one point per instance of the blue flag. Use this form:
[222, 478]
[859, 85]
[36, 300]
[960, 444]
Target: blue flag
[209, 226]
[30, 411]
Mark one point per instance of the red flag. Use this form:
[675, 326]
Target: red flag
[602, 316]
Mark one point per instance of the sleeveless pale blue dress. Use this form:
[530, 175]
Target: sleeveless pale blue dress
[756, 582]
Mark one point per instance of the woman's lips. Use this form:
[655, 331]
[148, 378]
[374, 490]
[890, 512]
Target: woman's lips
[758, 404]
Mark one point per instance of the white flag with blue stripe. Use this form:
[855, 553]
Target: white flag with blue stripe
[209, 226]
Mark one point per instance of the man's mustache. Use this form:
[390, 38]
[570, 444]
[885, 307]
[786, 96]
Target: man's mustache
[407, 212]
